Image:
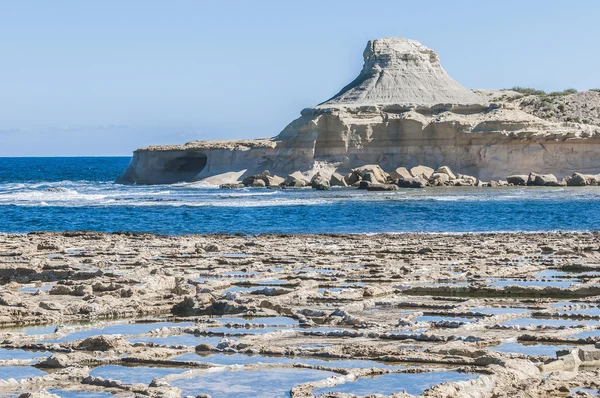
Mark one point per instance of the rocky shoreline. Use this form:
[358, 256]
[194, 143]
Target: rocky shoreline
[374, 178]
[488, 315]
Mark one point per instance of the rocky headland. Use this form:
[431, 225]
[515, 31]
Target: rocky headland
[403, 110]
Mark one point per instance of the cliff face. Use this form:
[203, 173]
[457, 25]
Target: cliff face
[402, 110]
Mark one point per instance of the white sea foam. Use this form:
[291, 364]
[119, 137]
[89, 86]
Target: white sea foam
[85, 193]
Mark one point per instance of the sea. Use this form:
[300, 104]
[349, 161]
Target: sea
[80, 193]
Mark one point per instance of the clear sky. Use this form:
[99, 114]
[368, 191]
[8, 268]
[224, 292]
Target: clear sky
[107, 76]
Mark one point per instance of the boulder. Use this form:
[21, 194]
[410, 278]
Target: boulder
[296, 179]
[423, 172]
[38, 394]
[466, 180]
[273, 181]
[446, 170]
[232, 186]
[531, 178]
[319, 182]
[102, 343]
[257, 180]
[352, 178]
[438, 179]
[377, 173]
[382, 187]
[413, 182]
[578, 179]
[337, 180]
[370, 177]
[589, 353]
[400, 172]
[364, 184]
[546, 180]
[517, 179]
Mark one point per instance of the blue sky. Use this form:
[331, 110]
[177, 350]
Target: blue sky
[106, 77]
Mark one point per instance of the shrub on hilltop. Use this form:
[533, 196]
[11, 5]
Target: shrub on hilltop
[526, 90]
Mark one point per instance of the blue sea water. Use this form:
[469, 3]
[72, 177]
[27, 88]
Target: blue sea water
[61, 194]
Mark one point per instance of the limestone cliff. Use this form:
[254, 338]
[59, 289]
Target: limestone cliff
[402, 110]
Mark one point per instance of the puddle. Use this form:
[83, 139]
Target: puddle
[565, 284]
[34, 290]
[437, 318]
[530, 349]
[180, 339]
[30, 330]
[19, 372]
[549, 322]
[240, 273]
[243, 331]
[257, 383]
[313, 346]
[122, 329]
[325, 271]
[6, 354]
[388, 384]
[204, 280]
[235, 255]
[590, 391]
[271, 282]
[585, 335]
[331, 290]
[499, 310]
[271, 321]
[241, 359]
[240, 289]
[78, 393]
[131, 375]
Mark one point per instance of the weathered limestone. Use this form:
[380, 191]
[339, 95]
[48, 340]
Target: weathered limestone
[401, 111]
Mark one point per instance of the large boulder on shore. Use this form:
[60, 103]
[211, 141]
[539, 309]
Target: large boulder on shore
[446, 170]
[374, 172]
[423, 172]
[296, 180]
[413, 182]
[381, 187]
[400, 172]
[438, 179]
[517, 179]
[546, 180]
[319, 182]
[337, 180]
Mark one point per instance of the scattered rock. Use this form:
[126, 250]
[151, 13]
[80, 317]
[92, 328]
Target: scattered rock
[400, 173]
[295, 180]
[319, 182]
[423, 172]
[446, 170]
[518, 179]
[337, 180]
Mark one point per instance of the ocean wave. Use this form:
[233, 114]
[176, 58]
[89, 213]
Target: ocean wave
[86, 193]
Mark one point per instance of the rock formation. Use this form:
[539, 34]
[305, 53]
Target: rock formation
[402, 110]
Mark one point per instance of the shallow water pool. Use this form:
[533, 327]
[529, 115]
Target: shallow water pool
[257, 383]
[388, 384]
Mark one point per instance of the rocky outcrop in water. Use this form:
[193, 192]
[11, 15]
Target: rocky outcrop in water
[402, 110]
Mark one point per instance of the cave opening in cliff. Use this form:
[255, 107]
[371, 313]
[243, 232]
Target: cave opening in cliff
[190, 163]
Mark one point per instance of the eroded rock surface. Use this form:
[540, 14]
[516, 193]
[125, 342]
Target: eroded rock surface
[495, 315]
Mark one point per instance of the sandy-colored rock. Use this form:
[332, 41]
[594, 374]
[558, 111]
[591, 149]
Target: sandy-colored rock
[423, 172]
[521, 179]
[338, 180]
[400, 172]
[446, 170]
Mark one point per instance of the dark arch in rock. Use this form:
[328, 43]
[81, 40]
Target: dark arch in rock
[190, 164]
